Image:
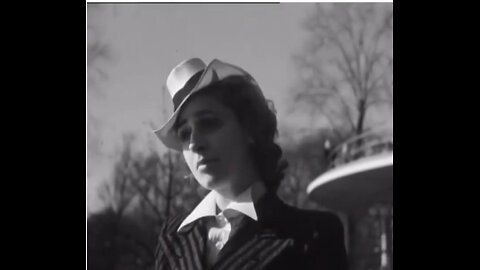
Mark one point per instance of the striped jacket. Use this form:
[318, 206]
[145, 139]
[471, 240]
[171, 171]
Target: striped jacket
[284, 237]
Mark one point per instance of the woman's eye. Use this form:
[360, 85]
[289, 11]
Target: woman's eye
[183, 134]
[202, 126]
[208, 124]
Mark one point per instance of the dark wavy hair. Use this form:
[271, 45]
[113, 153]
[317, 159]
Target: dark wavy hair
[257, 116]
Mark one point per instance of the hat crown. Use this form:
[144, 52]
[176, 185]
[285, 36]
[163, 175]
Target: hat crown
[191, 76]
[182, 73]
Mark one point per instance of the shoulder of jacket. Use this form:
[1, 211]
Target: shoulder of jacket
[316, 220]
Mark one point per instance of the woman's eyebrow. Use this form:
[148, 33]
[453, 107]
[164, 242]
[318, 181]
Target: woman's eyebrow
[197, 114]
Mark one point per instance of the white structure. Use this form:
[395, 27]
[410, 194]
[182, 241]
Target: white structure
[360, 174]
[359, 178]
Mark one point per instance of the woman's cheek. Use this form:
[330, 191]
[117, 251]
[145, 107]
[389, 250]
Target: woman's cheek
[189, 160]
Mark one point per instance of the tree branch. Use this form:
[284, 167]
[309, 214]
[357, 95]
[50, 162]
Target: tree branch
[146, 199]
[346, 108]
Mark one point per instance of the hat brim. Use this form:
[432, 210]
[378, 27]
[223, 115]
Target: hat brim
[215, 71]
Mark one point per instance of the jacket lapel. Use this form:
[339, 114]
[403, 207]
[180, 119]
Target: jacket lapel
[184, 250]
[256, 243]
[254, 246]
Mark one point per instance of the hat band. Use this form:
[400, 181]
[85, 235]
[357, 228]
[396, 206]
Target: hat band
[183, 93]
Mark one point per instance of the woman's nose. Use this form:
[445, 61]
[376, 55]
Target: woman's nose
[197, 141]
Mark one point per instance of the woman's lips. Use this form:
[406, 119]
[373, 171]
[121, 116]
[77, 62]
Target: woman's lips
[206, 161]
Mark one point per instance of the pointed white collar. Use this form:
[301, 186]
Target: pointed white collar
[243, 203]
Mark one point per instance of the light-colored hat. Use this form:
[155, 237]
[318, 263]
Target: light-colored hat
[188, 77]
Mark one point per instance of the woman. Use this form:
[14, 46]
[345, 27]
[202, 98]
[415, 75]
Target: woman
[225, 129]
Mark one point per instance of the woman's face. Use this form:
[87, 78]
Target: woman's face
[214, 144]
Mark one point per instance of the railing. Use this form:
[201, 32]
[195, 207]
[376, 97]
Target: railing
[367, 144]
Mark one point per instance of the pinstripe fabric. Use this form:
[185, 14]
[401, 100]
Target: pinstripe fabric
[283, 238]
[181, 250]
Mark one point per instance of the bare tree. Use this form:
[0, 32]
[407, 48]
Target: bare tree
[144, 190]
[163, 185]
[98, 52]
[306, 160]
[346, 68]
[156, 185]
[119, 193]
[99, 56]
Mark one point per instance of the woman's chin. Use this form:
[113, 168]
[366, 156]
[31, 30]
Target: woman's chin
[211, 183]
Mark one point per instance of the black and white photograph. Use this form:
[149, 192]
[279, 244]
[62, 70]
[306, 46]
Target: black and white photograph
[243, 135]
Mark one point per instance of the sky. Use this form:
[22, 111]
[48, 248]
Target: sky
[147, 40]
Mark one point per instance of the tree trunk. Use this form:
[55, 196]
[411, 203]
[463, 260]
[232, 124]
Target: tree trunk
[169, 187]
[362, 110]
